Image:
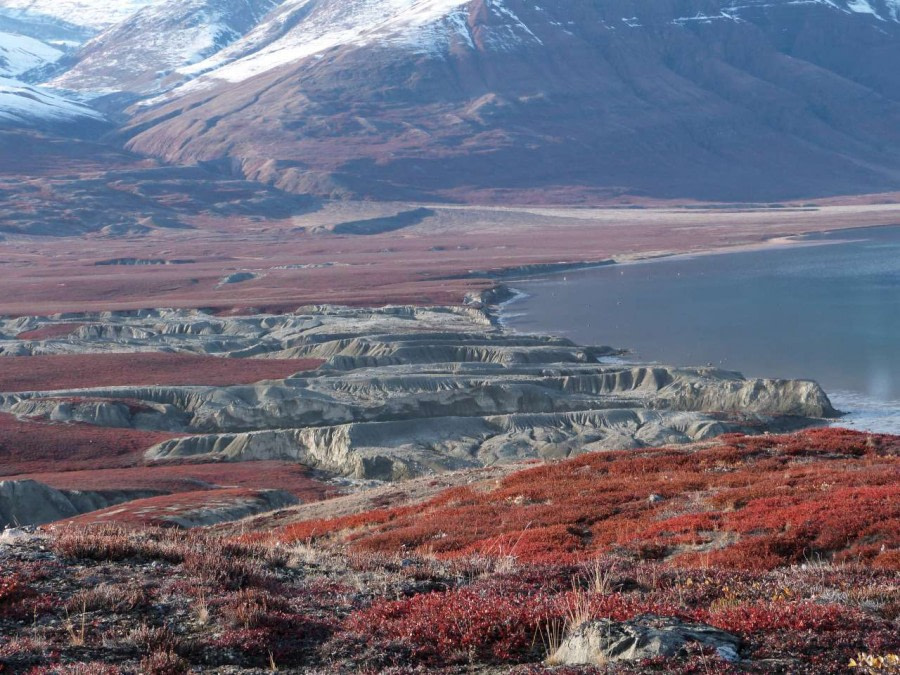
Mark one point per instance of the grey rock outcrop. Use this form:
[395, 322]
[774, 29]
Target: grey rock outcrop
[28, 502]
[603, 641]
[402, 391]
[401, 449]
[425, 391]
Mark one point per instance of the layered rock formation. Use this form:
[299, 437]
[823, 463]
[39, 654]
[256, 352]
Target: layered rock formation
[28, 502]
[402, 392]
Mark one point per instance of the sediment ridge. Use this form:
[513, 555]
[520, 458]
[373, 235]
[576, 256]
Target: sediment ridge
[401, 392]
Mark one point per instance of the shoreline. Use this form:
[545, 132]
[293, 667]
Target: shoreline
[791, 240]
[495, 309]
[457, 252]
[859, 410]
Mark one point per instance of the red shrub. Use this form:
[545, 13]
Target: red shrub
[13, 590]
[752, 502]
[51, 372]
[50, 331]
[456, 626]
[783, 616]
[35, 446]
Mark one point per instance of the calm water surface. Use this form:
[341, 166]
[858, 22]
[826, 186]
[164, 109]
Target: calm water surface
[829, 311]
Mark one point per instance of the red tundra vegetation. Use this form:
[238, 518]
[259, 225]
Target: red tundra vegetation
[469, 587]
[50, 372]
[50, 331]
[180, 509]
[28, 447]
[424, 264]
[753, 503]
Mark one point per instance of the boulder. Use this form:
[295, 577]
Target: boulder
[603, 641]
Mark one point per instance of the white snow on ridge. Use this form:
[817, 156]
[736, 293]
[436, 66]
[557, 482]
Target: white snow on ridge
[880, 9]
[170, 36]
[300, 29]
[19, 54]
[21, 103]
[324, 25]
[96, 14]
[861, 7]
[893, 7]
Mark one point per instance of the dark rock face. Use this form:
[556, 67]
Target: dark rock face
[675, 98]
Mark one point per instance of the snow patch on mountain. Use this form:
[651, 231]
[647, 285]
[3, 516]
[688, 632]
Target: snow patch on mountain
[19, 54]
[303, 28]
[96, 14]
[884, 10]
[172, 35]
[23, 104]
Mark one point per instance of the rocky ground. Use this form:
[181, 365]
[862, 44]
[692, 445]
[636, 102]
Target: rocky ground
[335, 596]
[385, 394]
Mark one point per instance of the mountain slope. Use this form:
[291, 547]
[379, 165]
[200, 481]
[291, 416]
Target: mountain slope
[168, 36]
[19, 54]
[95, 14]
[490, 99]
[441, 98]
[23, 105]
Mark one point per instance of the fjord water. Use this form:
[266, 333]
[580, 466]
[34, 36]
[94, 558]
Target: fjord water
[826, 309]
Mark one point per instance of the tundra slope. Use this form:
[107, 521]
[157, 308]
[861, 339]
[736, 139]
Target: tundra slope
[402, 392]
[704, 577]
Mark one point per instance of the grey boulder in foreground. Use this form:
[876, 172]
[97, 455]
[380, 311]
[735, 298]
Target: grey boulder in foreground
[603, 641]
[403, 391]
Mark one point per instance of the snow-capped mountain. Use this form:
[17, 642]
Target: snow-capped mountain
[139, 55]
[93, 14]
[20, 54]
[721, 99]
[22, 105]
[300, 29]
[715, 99]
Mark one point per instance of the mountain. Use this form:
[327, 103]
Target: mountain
[734, 100]
[93, 14]
[20, 53]
[450, 99]
[22, 105]
[138, 56]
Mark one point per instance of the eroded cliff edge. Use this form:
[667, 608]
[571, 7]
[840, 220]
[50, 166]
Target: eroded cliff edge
[401, 392]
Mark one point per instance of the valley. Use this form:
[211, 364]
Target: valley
[265, 407]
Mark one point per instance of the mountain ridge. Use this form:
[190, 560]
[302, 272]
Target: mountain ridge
[464, 99]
